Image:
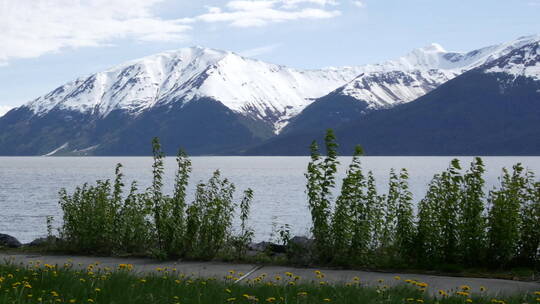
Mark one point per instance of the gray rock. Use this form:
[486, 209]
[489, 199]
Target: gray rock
[267, 247]
[301, 241]
[258, 247]
[42, 241]
[9, 241]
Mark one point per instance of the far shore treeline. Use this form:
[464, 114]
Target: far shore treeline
[457, 224]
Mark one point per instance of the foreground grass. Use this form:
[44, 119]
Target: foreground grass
[69, 283]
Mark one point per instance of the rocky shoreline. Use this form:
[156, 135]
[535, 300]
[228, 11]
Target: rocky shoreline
[272, 249]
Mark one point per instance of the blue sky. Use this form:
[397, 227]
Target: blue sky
[45, 43]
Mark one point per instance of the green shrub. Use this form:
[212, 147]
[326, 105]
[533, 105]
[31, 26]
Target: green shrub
[99, 219]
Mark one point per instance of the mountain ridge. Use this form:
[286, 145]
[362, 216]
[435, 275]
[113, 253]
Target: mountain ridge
[493, 109]
[218, 102]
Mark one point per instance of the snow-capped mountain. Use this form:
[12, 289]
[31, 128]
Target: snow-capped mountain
[419, 72]
[266, 91]
[491, 109]
[216, 102]
[251, 87]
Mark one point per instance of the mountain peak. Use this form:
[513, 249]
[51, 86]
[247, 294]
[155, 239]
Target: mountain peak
[433, 48]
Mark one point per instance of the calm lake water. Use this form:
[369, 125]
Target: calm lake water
[29, 185]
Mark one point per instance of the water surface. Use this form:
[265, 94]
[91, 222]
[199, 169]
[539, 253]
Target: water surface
[29, 185]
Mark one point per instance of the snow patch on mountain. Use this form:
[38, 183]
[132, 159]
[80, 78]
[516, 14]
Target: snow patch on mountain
[522, 62]
[385, 89]
[53, 152]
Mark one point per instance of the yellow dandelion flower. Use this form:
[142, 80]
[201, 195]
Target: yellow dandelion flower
[468, 301]
[327, 300]
[397, 278]
[302, 294]
[271, 300]
[231, 299]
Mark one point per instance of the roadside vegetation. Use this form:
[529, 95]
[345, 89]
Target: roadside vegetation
[68, 283]
[103, 219]
[457, 225]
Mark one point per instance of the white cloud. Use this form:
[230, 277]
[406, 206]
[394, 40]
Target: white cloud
[295, 3]
[245, 13]
[260, 50]
[358, 3]
[4, 110]
[30, 28]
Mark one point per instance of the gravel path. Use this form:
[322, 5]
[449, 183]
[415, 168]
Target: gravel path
[495, 287]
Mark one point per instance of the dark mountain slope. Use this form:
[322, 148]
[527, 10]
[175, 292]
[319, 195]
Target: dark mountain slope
[476, 113]
[327, 112]
[202, 126]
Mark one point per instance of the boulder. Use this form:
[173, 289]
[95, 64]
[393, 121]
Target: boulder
[9, 241]
[267, 247]
[301, 241]
[39, 242]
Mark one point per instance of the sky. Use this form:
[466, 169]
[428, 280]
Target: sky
[46, 43]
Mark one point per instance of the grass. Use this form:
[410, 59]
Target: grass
[68, 283]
